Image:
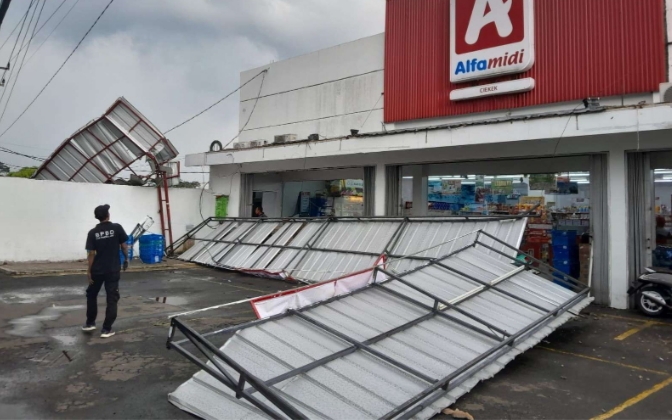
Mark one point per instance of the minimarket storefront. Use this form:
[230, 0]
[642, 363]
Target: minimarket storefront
[591, 190]
[582, 141]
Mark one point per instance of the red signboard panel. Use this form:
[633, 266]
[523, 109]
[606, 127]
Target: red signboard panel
[584, 48]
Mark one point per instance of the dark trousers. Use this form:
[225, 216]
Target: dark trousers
[111, 282]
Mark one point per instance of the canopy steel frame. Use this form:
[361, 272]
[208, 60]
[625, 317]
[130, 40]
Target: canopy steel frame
[304, 250]
[436, 387]
[403, 220]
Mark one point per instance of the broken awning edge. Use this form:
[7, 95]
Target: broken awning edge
[464, 384]
[499, 363]
[280, 302]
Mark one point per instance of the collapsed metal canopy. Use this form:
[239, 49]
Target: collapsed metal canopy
[107, 146]
[314, 250]
[405, 346]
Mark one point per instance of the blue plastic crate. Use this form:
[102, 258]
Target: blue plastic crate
[151, 248]
[570, 267]
[563, 237]
[566, 252]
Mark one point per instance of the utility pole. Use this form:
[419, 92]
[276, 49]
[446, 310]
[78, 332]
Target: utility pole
[3, 10]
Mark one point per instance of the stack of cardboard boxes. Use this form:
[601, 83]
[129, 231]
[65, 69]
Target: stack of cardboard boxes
[584, 262]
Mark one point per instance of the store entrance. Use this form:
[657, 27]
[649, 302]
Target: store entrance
[558, 236]
[339, 198]
[662, 191]
[649, 211]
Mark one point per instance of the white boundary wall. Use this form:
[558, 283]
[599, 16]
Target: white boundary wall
[49, 220]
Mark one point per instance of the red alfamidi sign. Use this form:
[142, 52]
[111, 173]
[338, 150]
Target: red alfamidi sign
[490, 38]
[626, 53]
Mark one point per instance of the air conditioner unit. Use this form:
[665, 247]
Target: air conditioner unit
[284, 138]
[258, 143]
[665, 93]
[241, 145]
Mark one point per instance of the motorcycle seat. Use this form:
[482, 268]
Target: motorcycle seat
[661, 270]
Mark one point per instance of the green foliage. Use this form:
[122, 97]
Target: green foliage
[23, 172]
[187, 184]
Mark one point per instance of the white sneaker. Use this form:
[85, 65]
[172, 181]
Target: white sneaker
[88, 327]
[106, 334]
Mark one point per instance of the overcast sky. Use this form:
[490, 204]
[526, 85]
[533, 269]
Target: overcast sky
[170, 58]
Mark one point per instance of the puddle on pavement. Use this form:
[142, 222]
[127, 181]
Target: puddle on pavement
[30, 325]
[172, 300]
[66, 340]
[41, 294]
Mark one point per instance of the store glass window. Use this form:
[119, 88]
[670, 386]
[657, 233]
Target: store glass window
[558, 236]
[662, 254]
[339, 198]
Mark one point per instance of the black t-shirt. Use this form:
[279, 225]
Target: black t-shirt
[105, 239]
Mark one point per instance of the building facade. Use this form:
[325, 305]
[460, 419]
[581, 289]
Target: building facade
[476, 107]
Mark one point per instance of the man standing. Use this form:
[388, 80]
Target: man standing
[102, 246]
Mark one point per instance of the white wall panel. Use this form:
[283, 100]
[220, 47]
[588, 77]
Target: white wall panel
[49, 220]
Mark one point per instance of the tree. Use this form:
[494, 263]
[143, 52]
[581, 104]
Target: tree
[187, 184]
[182, 184]
[4, 169]
[26, 172]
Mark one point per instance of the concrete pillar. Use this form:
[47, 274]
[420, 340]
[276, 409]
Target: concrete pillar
[380, 190]
[420, 179]
[618, 229]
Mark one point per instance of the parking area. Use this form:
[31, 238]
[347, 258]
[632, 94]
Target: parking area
[606, 364]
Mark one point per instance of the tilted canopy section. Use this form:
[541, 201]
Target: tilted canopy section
[406, 345]
[314, 250]
[105, 147]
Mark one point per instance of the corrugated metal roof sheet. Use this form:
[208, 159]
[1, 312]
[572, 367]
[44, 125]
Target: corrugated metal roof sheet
[388, 349]
[106, 146]
[321, 249]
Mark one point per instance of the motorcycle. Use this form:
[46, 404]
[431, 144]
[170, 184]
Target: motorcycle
[653, 292]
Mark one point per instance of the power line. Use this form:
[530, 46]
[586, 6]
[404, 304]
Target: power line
[23, 22]
[10, 165]
[43, 25]
[12, 152]
[251, 112]
[18, 73]
[53, 30]
[10, 34]
[11, 72]
[216, 103]
[27, 147]
[59, 69]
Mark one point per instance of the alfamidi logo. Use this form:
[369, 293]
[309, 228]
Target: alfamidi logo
[490, 38]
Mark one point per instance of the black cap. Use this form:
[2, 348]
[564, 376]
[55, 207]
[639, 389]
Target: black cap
[102, 212]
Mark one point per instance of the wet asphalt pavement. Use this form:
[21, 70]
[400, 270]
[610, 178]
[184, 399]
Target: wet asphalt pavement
[49, 368]
[604, 364]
